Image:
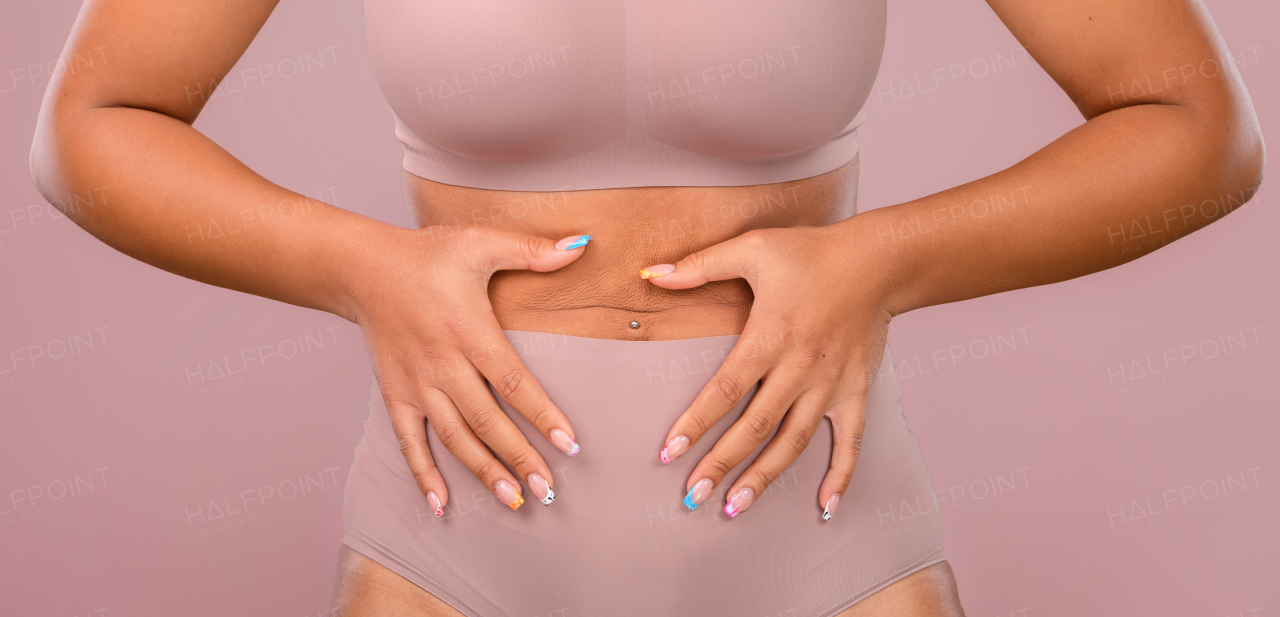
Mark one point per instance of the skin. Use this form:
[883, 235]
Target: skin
[1139, 157]
[821, 282]
[367, 588]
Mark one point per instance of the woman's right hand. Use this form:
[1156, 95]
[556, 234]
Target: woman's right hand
[424, 307]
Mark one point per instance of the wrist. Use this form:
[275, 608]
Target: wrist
[880, 257]
[359, 252]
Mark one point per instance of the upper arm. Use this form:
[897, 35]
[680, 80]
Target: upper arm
[161, 55]
[1109, 54]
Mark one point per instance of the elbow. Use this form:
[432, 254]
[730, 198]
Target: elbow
[1242, 153]
[1254, 164]
[42, 161]
[51, 163]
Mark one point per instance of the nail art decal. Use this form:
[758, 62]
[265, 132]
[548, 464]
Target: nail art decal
[832, 502]
[507, 494]
[739, 501]
[656, 271]
[433, 502]
[573, 242]
[563, 441]
[541, 489]
[674, 448]
[697, 493]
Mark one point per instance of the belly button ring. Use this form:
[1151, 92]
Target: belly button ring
[635, 325]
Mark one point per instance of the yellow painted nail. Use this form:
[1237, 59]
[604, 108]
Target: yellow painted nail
[656, 271]
[507, 494]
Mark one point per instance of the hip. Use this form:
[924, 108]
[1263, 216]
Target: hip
[618, 514]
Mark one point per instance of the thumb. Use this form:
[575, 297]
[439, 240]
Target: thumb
[730, 259]
[505, 250]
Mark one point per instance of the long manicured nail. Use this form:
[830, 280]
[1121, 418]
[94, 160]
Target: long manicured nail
[433, 502]
[674, 448]
[541, 489]
[563, 441]
[832, 502]
[739, 501]
[653, 272]
[573, 242]
[508, 494]
[698, 493]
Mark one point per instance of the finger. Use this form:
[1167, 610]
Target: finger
[499, 363]
[775, 396]
[506, 250]
[471, 396]
[731, 259]
[848, 421]
[793, 436]
[409, 424]
[752, 355]
[457, 437]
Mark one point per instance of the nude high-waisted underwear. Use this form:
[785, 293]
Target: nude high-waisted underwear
[618, 541]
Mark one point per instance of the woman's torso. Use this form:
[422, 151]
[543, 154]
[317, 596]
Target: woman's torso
[601, 294]
[659, 127]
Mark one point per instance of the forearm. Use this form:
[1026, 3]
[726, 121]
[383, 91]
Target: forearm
[1117, 187]
[156, 189]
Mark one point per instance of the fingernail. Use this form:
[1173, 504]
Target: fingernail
[541, 489]
[433, 502]
[563, 441]
[739, 501]
[674, 448]
[832, 502]
[653, 272]
[573, 242]
[697, 493]
[508, 494]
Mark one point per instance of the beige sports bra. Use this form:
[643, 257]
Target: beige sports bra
[543, 95]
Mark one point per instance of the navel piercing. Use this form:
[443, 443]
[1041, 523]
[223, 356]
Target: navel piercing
[635, 325]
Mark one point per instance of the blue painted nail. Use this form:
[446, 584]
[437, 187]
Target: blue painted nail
[573, 242]
[698, 493]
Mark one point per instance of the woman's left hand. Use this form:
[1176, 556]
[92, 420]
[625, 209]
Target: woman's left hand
[815, 338]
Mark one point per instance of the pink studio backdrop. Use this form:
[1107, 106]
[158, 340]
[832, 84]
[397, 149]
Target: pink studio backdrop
[1101, 447]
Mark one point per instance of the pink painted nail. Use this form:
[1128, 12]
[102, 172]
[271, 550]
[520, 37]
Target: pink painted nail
[653, 272]
[563, 441]
[541, 489]
[508, 494]
[832, 502]
[433, 502]
[674, 448]
[740, 500]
